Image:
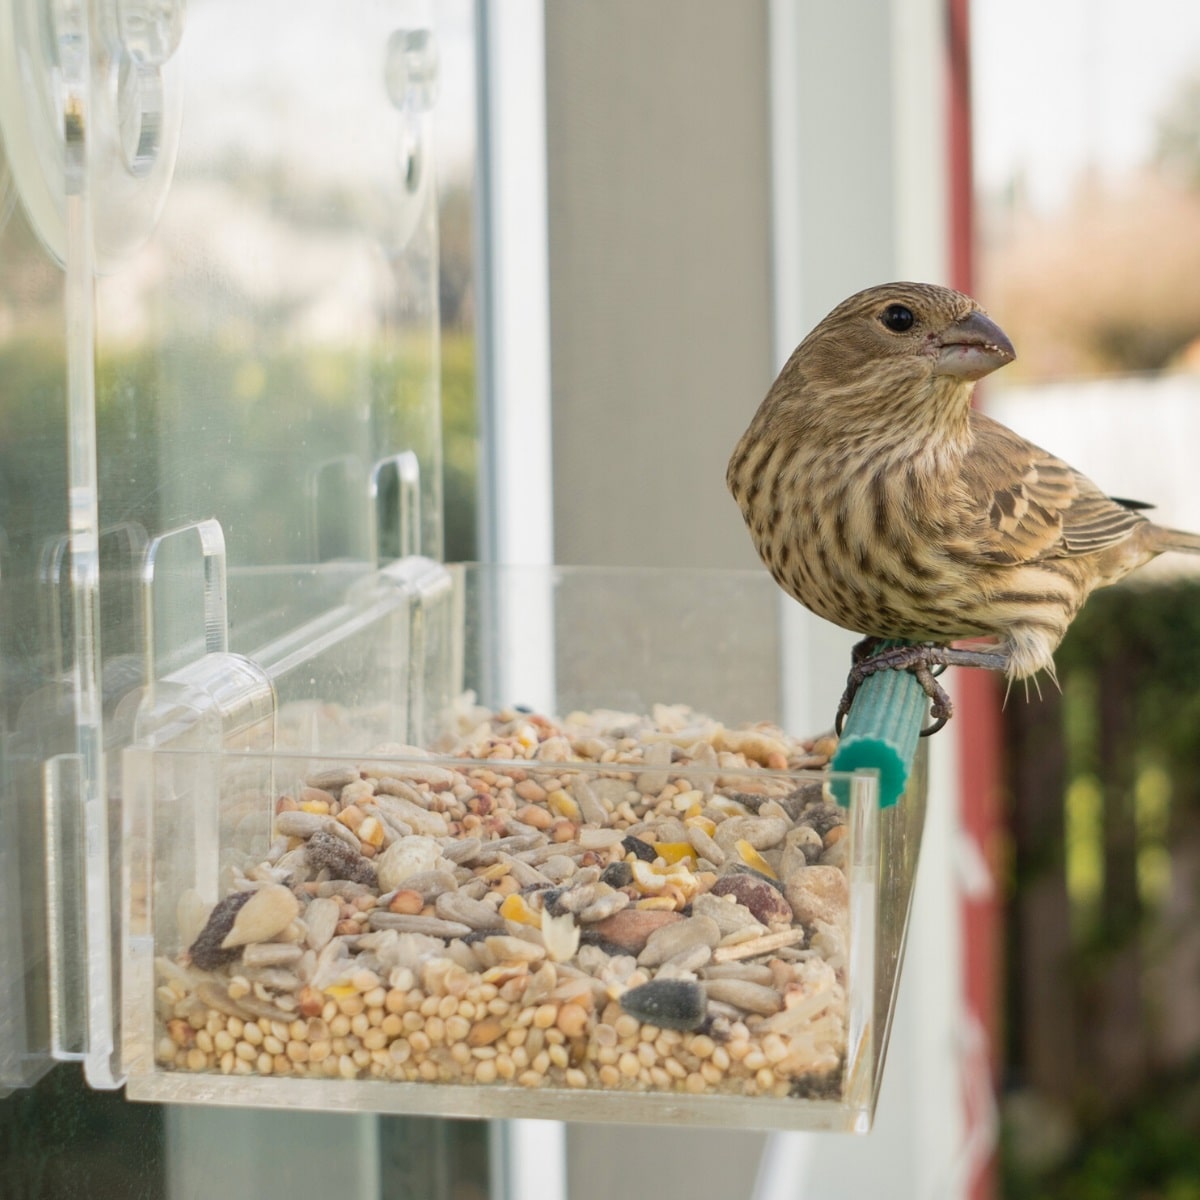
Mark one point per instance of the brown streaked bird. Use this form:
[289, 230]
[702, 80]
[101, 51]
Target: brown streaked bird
[883, 502]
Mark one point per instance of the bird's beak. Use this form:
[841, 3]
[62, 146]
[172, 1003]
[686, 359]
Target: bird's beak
[973, 347]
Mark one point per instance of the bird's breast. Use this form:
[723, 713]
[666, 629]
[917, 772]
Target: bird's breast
[843, 530]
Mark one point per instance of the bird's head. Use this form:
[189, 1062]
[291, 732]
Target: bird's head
[933, 331]
[894, 343]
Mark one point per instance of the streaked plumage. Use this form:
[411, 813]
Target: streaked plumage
[879, 499]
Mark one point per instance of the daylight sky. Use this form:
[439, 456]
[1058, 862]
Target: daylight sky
[1063, 84]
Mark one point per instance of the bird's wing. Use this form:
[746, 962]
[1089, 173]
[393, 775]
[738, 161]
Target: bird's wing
[1032, 505]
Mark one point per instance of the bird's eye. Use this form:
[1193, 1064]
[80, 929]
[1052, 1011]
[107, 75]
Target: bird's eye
[897, 318]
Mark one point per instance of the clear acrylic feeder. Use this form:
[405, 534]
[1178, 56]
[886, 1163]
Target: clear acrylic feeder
[459, 1005]
[289, 857]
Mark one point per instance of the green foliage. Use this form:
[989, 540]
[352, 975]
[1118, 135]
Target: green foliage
[1129, 665]
[246, 430]
[1156, 629]
[460, 447]
[1148, 1152]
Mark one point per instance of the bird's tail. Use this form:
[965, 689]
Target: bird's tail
[1175, 539]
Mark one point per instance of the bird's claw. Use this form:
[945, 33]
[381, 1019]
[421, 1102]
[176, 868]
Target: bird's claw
[843, 709]
[940, 709]
[914, 659]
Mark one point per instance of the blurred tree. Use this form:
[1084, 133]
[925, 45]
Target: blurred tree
[460, 402]
[1108, 284]
[456, 265]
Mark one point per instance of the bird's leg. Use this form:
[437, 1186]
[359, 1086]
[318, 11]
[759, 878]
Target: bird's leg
[921, 661]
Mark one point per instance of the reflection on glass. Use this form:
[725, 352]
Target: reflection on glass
[266, 212]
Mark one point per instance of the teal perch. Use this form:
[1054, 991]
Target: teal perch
[881, 733]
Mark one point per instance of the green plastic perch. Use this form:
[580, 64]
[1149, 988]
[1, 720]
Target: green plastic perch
[881, 733]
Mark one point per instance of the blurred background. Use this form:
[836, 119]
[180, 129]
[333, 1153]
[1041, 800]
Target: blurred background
[1086, 137]
[641, 209]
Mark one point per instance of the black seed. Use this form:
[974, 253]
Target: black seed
[205, 951]
[617, 875]
[667, 1003]
[635, 845]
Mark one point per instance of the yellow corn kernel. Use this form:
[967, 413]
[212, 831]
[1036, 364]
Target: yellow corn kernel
[752, 858]
[371, 832]
[673, 852]
[351, 816]
[515, 908]
[697, 821]
[563, 805]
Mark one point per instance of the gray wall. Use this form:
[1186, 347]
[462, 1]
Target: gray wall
[660, 283]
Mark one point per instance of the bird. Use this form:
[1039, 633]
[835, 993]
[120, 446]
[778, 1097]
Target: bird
[881, 500]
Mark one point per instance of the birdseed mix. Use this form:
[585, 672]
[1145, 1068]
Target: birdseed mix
[608, 901]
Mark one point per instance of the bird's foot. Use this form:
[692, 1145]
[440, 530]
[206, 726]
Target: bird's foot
[925, 661]
[869, 646]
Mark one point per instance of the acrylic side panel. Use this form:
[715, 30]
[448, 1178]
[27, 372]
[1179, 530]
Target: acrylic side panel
[37, 710]
[901, 827]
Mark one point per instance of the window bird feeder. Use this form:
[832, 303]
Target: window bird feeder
[330, 823]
